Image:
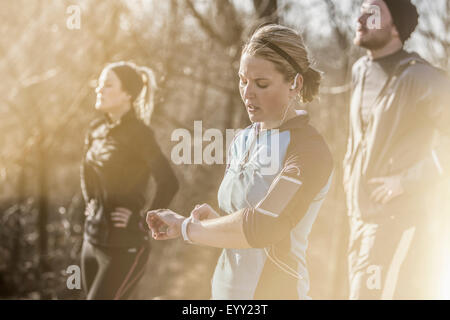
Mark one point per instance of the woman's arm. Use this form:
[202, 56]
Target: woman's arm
[166, 181]
[306, 172]
[222, 232]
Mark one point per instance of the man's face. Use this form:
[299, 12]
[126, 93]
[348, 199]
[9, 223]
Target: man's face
[375, 27]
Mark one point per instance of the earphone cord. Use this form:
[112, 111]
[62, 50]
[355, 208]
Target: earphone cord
[287, 108]
[284, 115]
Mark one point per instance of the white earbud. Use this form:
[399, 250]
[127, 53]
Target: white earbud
[295, 82]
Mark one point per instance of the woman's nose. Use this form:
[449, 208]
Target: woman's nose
[248, 92]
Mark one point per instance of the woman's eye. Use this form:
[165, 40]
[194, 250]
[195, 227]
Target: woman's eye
[262, 85]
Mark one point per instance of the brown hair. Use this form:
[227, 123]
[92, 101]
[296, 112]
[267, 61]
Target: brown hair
[139, 82]
[291, 43]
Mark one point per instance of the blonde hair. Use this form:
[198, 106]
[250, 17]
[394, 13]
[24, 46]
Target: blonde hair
[144, 104]
[291, 42]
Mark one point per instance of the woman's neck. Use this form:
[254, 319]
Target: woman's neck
[265, 125]
[118, 113]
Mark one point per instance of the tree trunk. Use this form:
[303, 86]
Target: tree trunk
[42, 205]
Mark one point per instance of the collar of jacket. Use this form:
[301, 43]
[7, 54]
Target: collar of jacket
[128, 117]
[411, 58]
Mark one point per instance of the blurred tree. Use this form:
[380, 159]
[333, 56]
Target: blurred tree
[267, 10]
[47, 96]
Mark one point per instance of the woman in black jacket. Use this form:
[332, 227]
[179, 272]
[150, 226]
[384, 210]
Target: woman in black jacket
[121, 154]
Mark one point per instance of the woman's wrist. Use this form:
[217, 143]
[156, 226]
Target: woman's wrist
[184, 229]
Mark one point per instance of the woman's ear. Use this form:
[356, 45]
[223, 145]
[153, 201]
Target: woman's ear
[297, 84]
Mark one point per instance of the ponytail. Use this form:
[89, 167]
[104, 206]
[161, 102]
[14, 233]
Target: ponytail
[311, 84]
[145, 101]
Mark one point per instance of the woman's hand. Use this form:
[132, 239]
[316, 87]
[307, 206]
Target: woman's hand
[120, 217]
[164, 223]
[390, 188]
[203, 212]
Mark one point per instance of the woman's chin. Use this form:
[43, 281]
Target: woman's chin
[253, 118]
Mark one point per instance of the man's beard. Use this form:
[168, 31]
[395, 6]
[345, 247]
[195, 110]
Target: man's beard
[376, 41]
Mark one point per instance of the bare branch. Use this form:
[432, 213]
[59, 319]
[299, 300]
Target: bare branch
[206, 26]
[267, 10]
[334, 17]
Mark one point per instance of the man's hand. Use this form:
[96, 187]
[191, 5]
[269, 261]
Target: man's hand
[121, 216]
[390, 188]
[164, 223]
[203, 212]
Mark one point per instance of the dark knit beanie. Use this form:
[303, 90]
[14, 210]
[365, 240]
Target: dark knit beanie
[405, 17]
[130, 79]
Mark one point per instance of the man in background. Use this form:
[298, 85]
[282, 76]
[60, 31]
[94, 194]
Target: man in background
[399, 102]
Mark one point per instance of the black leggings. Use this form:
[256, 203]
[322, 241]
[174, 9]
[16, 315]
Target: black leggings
[111, 273]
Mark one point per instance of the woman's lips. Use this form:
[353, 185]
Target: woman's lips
[252, 109]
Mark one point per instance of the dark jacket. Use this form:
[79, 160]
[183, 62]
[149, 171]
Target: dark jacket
[399, 137]
[119, 158]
